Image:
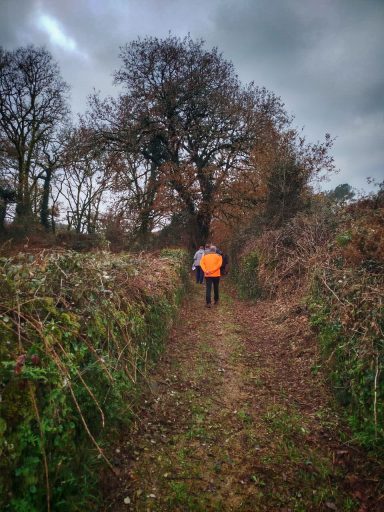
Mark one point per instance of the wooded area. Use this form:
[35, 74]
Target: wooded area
[185, 143]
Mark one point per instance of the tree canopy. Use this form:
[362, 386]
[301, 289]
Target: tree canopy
[188, 120]
[183, 146]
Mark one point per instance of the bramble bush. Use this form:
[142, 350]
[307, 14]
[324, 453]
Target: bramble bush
[346, 304]
[347, 314]
[333, 258]
[77, 334]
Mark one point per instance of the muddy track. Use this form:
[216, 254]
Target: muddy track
[238, 418]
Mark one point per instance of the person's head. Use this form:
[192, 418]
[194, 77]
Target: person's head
[201, 247]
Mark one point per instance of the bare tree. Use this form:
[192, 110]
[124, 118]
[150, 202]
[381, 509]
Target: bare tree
[136, 185]
[52, 156]
[186, 113]
[33, 104]
[133, 158]
[7, 184]
[82, 181]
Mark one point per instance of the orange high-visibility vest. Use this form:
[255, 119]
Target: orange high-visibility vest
[211, 262]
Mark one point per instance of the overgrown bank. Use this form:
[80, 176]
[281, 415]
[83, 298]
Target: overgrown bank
[76, 334]
[330, 262]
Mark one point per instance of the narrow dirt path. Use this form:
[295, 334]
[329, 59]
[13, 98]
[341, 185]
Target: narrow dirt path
[239, 419]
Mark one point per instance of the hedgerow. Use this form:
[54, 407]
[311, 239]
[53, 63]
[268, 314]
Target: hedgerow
[346, 307]
[346, 302]
[332, 259]
[77, 334]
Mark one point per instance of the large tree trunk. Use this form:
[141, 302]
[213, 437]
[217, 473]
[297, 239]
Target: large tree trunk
[144, 228]
[3, 212]
[203, 226]
[24, 212]
[44, 213]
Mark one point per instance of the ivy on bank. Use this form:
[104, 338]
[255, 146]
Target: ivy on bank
[347, 313]
[77, 331]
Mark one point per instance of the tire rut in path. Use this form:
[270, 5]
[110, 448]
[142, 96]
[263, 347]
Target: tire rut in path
[235, 420]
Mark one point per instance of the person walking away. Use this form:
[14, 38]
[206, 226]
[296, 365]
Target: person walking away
[196, 263]
[211, 263]
[223, 269]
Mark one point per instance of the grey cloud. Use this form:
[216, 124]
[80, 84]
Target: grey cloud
[323, 57]
[14, 19]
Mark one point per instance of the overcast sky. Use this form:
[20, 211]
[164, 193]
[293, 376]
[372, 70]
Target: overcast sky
[324, 58]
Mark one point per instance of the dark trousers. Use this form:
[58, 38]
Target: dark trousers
[209, 281]
[199, 274]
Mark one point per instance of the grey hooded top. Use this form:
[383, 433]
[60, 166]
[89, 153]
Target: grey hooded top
[197, 257]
